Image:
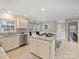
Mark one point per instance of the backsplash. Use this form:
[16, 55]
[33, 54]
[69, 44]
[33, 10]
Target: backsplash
[21, 30]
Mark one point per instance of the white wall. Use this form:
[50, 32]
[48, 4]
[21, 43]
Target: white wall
[60, 31]
[51, 26]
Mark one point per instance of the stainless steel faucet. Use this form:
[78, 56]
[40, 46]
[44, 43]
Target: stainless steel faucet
[0, 43]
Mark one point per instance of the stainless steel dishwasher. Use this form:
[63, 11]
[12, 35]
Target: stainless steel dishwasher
[23, 39]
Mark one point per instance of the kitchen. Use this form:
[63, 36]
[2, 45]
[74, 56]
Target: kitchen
[37, 29]
[15, 32]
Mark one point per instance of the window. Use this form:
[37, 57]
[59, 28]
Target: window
[7, 25]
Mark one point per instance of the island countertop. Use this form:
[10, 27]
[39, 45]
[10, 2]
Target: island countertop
[3, 55]
[49, 39]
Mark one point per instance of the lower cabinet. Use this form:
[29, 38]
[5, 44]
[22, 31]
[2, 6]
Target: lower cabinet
[33, 46]
[10, 43]
[43, 49]
[40, 48]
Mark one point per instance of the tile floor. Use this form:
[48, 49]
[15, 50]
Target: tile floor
[21, 53]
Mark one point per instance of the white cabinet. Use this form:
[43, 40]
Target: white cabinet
[10, 43]
[33, 46]
[42, 48]
[22, 23]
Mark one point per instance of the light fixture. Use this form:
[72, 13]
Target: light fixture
[9, 11]
[6, 14]
[42, 9]
[24, 15]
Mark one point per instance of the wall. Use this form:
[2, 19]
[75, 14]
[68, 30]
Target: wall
[51, 26]
[61, 31]
[33, 26]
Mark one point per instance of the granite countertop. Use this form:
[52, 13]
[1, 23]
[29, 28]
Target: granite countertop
[6, 36]
[44, 38]
[10, 35]
[3, 55]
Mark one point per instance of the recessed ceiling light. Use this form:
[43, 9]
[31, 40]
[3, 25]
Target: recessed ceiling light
[42, 9]
[25, 15]
[8, 15]
[9, 11]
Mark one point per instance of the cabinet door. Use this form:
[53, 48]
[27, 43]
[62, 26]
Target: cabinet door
[7, 44]
[15, 42]
[52, 49]
[43, 49]
[33, 45]
[22, 23]
[10, 43]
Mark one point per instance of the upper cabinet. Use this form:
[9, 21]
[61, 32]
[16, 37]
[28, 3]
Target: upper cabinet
[22, 22]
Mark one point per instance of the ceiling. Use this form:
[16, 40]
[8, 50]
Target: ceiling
[54, 9]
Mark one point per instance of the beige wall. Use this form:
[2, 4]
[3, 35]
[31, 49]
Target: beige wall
[61, 31]
[51, 26]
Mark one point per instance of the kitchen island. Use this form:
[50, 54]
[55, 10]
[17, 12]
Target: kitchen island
[3, 55]
[43, 47]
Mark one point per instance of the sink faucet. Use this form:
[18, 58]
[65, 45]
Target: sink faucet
[0, 43]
